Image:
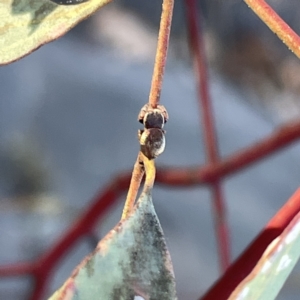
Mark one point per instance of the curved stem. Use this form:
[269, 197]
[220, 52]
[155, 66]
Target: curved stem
[161, 52]
[136, 178]
[245, 263]
[149, 165]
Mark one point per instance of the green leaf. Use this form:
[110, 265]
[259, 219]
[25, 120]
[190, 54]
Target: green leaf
[132, 260]
[272, 270]
[25, 25]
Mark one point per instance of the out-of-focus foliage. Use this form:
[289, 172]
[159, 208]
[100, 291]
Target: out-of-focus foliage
[25, 25]
[132, 260]
[275, 265]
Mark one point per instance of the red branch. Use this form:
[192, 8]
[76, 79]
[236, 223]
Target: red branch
[276, 24]
[17, 269]
[241, 268]
[210, 140]
[183, 177]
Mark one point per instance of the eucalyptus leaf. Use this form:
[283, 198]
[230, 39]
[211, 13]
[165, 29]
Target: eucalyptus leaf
[131, 261]
[25, 25]
[272, 270]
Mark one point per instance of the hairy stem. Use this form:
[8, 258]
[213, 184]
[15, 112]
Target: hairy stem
[149, 165]
[276, 24]
[161, 52]
[136, 179]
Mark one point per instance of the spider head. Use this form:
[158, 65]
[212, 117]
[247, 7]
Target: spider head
[153, 117]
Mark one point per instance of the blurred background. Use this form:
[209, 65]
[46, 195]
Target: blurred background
[68, 127]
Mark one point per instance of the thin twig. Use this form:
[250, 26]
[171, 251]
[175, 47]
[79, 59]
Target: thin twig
[283, 136]
[210, 140]
[136, 179]
[161, 52]
[276, 24]
[156, 85]
[141, 166]
[150, 171]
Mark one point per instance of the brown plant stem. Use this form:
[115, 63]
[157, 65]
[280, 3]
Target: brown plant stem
[156, 85]
[276, 24]
[161, 52]
[150, 171]
[135, 182]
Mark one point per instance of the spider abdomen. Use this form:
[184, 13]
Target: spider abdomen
[152, 142]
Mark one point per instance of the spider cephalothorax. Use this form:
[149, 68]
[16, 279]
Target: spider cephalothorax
[153, 117]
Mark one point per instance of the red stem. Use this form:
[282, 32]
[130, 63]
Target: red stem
[42, 268]
[85, 224]
[183, 177]
[221, 226]
[16, 269]
[276, 24]
[209, 132]
[161, 52]
[222, 289]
